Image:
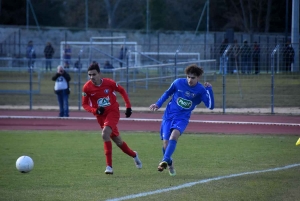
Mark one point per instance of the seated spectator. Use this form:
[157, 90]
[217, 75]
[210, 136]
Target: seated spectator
[107, 65]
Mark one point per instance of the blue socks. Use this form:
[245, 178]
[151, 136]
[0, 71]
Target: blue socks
[169, 151]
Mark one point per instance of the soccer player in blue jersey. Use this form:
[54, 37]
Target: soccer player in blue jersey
[186, 94]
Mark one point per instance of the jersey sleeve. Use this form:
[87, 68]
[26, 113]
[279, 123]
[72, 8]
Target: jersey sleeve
[169, 92]
[86, 104]
[124, 95]
[208, 98]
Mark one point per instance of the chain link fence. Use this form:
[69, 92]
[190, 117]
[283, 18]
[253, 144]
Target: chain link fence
[243, 74]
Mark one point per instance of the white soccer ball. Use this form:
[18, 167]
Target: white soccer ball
[24, 164]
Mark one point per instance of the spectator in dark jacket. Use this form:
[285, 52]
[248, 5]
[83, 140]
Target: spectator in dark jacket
[67, 56]
[246, 58]
[288, 56]
[256, 57]
[48, 52]
[122, 55]
[62, 90]
[107, 65]
[30, 55]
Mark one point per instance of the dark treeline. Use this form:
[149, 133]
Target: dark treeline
[241, 15]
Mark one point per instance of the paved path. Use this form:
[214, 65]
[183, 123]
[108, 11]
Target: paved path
[150, 121]
[277, 110]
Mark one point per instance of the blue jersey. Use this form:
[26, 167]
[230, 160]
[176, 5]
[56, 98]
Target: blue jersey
[185, 98]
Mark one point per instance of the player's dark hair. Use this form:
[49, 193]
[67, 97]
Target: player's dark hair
[94, 66]
[194, 69]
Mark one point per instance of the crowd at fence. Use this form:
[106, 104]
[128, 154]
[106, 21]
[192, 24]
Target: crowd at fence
[245, 58]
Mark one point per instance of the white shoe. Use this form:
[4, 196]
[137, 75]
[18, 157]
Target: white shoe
[137, 161]
[108, 170]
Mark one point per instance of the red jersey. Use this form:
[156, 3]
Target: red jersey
[103, 95]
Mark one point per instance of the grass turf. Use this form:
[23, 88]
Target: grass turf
[70, 166]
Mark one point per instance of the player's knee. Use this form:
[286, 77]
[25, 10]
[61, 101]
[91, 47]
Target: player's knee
[175, 135]
[105, 136]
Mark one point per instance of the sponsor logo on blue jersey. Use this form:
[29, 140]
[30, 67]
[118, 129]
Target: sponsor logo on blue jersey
[184, 103]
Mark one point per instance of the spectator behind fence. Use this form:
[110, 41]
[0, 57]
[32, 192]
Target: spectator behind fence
[223, 60]
[62, 90]
[256, 57]
[288, 56]
[30, 55]
[48, 52]
[235, 52]
[77, 65]
[107, 65]
[245, 58]
[67, 56]
[122, 54]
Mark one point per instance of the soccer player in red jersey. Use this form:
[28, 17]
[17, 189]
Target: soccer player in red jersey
[99, 98]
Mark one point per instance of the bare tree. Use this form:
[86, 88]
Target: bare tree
[111, 9]
[259, 8]
[250, 14]
[267, 25]
[245, 16]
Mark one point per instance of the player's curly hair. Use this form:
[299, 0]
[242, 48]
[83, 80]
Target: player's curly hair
[94, 66]
[194, 69]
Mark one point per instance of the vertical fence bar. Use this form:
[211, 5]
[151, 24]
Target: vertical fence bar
[176, 54]
[127, 72]
[79, 78]
[272, 77]
[224, 68]
[30, 86]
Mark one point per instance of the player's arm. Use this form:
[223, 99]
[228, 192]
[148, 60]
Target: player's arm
[86, 104]
[208, 96]
[163, 98]
[125, 97]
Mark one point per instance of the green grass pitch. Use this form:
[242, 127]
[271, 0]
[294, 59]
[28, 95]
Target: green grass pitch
[70, 166]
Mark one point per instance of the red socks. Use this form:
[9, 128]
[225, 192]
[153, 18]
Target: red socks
[108, 153]
[124, 147]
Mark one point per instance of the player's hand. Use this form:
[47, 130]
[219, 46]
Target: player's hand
[100, 110]
[207, 84]
[128, 112]
[153, 107]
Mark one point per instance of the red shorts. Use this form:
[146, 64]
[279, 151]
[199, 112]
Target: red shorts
[111, 119]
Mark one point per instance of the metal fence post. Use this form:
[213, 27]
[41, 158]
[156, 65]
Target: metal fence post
[175, 62]
[272, 77]
[30, 86]
[224, 63]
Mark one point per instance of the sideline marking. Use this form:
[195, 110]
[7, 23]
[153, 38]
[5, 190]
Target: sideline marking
[186, 185]
[154, 120]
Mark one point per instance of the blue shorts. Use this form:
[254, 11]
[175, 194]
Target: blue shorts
[167, 127]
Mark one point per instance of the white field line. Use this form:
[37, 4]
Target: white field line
[186, 185]
[153, 120]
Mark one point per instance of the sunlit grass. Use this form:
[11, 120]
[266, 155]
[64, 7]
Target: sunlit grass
[70, 166]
